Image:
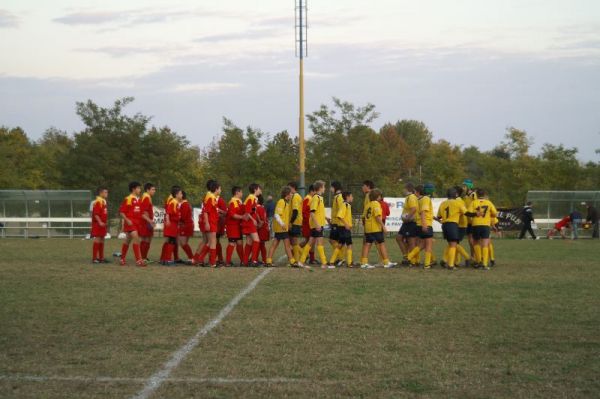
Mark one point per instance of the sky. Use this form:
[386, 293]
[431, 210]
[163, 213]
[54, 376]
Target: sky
[468, 69]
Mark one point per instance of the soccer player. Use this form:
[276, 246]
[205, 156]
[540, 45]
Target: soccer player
[171, 230]
[449, 214]
[296, 219]
[235, 214]
[424, 226]
[485, 211]
[463, 222]
[344, 219]
[317, 223]
[147, 224]
[469, 195]
[559, 227]
[338, 203]
[131, 213]
[209, 224]
[306, 222]
[281, 227]
[367, 186]
[163, 252]
[186, 227]
[264, 234]
[374, 232]
[250, 226]
[99, 225]
[407, 236]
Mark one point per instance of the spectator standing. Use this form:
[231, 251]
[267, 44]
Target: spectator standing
[592, 217]
[527, 219]
[576, 219]
[270, 209]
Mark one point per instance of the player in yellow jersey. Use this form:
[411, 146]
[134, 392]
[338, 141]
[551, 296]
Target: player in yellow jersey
[317, 224]
[367, 186]
[295, 219]
[425, 226]
[496, 228]
[374, 232]
[344, 220]
[469, 195]
[449, 214]
[485, 211]
[281, 227]
[336, 225]
[407, 236]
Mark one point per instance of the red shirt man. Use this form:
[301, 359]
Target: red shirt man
[146, 229]
[249, 225]
[99, 211]
[209, 207]
[186, 221]
[234, 226]
[131, 208]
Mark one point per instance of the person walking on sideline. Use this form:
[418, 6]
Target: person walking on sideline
[592, 217]
[527, 220]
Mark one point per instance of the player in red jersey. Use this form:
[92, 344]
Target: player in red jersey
[250, 225]
[209, 225]
[222, 209]
[235, 214]
[99, 225]
[171, 228]
[147, 224]
[264, 234]
[131, 213]
[186, 227]
[306, 221]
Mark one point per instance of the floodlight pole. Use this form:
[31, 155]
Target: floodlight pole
[301, 50]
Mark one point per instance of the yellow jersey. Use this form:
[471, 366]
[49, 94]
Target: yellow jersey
[426, 206]
[282, 208]
[338, 203]
[487, 212]
[410, 202]
[463, 220]
[365, 205]
[317, 207]
[451, 210]
[345, 213]
[296, 205]
[371, 223]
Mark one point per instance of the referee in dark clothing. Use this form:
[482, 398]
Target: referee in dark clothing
[527, 219]
[592, 217]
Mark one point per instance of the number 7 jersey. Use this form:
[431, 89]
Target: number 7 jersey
[486, 209]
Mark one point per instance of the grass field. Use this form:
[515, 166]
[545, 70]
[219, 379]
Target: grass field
[530, 327]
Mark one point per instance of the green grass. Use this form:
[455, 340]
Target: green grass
[527, 328]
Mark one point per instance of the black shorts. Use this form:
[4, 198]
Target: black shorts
[469, 229]
[296, 231]
[451, 232]
[282, 236]
[462, 232]
[408, 230]
[334, 233]
[427, 234]
[316, 233]
[344, 236]
[374, 237]
[234, 239]
[481, 232]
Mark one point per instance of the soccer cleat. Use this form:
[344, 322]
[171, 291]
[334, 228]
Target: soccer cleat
[331, 266]
[140, 263]
[179, 261]
[405, 262]
[255, 264]
[122, 262]
[268, 265]
[442, 263]
[390, 265]
[485, 267]
[96, 261]
[428, 267]
[213, 266]
[103, 261]
[340, 263]
[367, 266]
[189, 262]
[493, 262]
[230, 265]
[452, 268]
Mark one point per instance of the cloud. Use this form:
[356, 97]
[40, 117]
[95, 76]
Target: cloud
[126, 51]
[8, 20]
[251, 34]
[203, 87]
[91, 18]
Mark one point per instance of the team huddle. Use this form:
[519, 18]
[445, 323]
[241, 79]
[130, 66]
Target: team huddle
[299, 223]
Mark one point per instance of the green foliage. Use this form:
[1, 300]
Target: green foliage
[19, 165]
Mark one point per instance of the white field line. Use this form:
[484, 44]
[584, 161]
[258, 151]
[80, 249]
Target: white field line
[190, 380]
[156, 380]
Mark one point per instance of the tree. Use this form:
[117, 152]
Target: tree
[416, 135]
[21, 169]
[342, 118]
[51, 151]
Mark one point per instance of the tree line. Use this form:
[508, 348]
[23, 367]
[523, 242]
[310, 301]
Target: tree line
[115, 148]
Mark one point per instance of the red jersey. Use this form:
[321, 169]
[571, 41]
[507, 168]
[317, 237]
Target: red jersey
[174, 215]
[130, 207]
[100, 210]
[222, 212]
[209, 208]
[263, 230]
[146, 229]
[306, 216]
[564, 222]
[186, 219]
[250, 204]
[385, 210]
[233, 225]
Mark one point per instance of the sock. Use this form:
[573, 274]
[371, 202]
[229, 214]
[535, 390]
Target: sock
[168, 252]
[219, 252]
[101, 250]
[143, 249]
[203, 253]
[312, 256]
[163, 252]
[321, 251]
[427, 258]
[188, 251]
[212, 258]
[263, 252]
[342, 254]
[247, 253]
[255, 251]
[95, 250]
[239, 248]
[137, 252]
[364, 261]
[492, 256]
[349, 256]
[386, 261]
[413, 256]
[269, 261]
[451, 256]
[462, 252]
[229, 253]
[486, 256]
[124, 249]
[445, 257]
[305, 253]
[296, 251]
[175, 252]
[334, 256]
[478, 253]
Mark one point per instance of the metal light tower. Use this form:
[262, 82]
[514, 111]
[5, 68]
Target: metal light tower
[301, 27]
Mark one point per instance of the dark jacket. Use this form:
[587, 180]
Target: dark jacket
[527, 214]
[592, 215]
